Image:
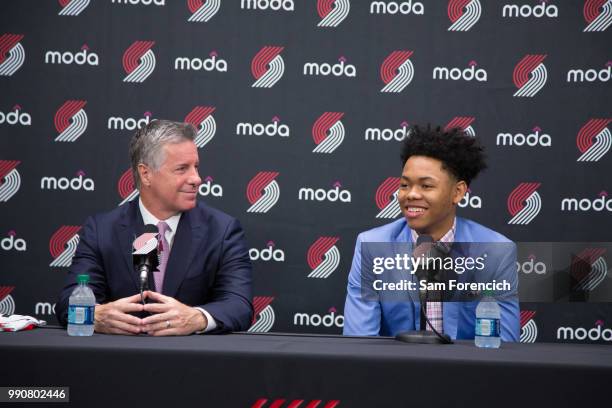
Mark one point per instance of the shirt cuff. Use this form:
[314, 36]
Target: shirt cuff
[212, 324]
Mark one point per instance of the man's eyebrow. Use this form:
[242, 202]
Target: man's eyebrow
[424, 178]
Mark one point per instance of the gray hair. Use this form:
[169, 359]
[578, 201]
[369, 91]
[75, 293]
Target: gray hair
[146, 146]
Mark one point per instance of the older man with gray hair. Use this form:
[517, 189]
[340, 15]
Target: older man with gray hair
[203, 282]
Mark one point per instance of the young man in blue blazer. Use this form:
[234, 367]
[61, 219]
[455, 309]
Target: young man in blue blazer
[438, 167]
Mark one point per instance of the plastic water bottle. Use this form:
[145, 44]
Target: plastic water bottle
[81, 307]
[487, 322]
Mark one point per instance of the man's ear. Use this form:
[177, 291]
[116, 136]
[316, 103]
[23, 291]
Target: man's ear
[145, 175]
[459, 191]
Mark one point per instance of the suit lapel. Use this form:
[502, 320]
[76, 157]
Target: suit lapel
[130, 227]
[189, 237]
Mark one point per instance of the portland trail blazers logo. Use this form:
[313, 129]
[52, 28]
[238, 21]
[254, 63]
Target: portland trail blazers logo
[7, 304]
[201, 118]
[203, 10]
[138, 61]
[588, 269]
[63, 245]
[464, 123]
[594, 140]
[263, 192]
[598, 14]
[332, 12]
[267, 67]
[529, 75]
[70, 121]
[263, 318]
[529, 329]
[463, 14]
[10, 180]
[323, 257]
[12, 54]
[524, 203]
[397, 71]
[328, 132]
[386, 198]
[72, 7]
[126, 187]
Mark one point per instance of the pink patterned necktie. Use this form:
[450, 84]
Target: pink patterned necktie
[164, 254]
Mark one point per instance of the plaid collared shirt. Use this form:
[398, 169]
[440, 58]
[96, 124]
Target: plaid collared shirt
[434, 309]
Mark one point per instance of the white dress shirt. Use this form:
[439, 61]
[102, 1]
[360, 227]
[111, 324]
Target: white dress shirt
[173, 222]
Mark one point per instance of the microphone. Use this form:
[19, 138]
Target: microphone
[145, 254]
[426, 248]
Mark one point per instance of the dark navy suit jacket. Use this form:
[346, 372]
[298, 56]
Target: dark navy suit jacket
[209, 265]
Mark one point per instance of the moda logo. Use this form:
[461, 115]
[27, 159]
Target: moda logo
[378, 135]
[597, 333]
[16, 117]
[7, 303]
[270, 253]
[80, 182]
[532, 265]
[323, 257]
[209, 188]
[462, 122]
[44, 309]
[63, 245]
[463, 14]
[10, 180]
[118, 123]
[588, 269]
[525, 10]
[263, 317]
[12, 54]
[202, 119]
[533, 139]
[259, 129]
[263, 192]
[338, 69]
[67, 58]
[72, 7]
[598, 204]
[320, 194]
[594, 140]
[70, 121]
[524, 203]
[394, 7]
[397, 71]
[328, 132]
[10, 242]
[529, 75]
[598, 15]
[212, 63]
[267, 67]
[386, 198]
[470, 200]
[141, 2]
[456, 74]
[529, 328]
[330, 319]
[202, 10]
[126, 187]
[590, 75]
[332, 12]
[276, 5]
[138, 61]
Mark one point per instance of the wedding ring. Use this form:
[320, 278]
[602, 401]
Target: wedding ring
[167, 324]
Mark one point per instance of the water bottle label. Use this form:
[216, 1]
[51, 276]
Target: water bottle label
[487, 327]
[81, 314]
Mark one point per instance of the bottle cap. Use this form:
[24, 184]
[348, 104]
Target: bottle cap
[82, 279]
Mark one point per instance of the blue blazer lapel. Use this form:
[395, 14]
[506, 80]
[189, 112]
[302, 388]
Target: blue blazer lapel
[129, 228]
[189, 238]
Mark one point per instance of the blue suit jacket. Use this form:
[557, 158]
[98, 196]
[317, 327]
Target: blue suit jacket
[387, 318]
[209, 265]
